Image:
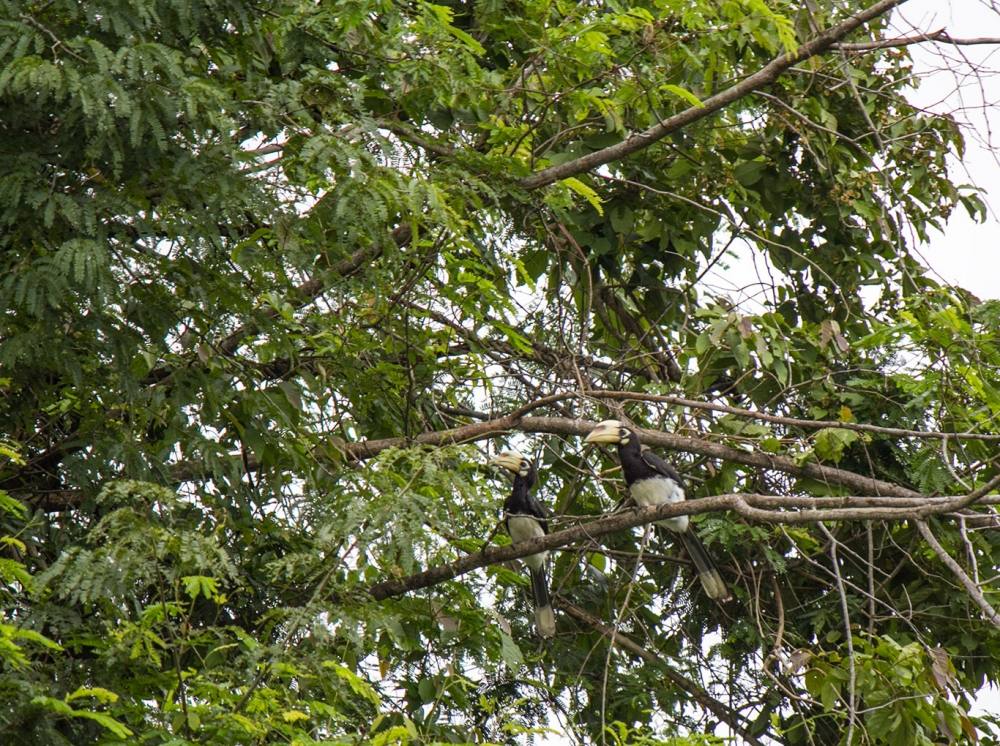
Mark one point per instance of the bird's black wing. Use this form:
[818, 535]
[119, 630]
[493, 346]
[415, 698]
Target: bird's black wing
[538, 511]
[660, 466]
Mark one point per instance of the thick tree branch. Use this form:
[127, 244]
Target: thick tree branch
[752, 507]
[975, 496]
[766, 75]
[699, 695]
[564, 426]
[519, 420]
[366, 449]
[826, 474]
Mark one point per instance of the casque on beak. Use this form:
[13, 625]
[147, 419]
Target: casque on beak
[609, 431]
[509, 460]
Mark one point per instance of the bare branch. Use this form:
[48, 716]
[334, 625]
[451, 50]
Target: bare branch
[519, 420]
[419, 139]
[939, 37]
[189, 471]
[826, 474]
[975, 593]
[848, 634]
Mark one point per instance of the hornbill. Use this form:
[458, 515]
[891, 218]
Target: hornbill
[524, 519]
[652, 481]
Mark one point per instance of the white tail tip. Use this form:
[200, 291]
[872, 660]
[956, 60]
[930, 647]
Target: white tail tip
[545, 621]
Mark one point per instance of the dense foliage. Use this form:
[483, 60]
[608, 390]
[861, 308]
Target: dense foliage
[237, 240]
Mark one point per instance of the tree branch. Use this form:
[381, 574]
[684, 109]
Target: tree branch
[189, 471]
[519, 420]
[766, 75]
[826, 474]
[751, 507]
[940, 36]
[975, 593]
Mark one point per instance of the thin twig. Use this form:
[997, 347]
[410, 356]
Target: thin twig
[618, 622]
[975, 593]
[852, 673]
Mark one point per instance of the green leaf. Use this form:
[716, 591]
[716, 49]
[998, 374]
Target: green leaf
[683, 93]
[105, 721]
[444, 15]
[358, 685]
[830, 442]
[16, 544]
[104, 696]
[195, 585]
[749, 173]
[584, 191]
[31, 635]
[510, 652]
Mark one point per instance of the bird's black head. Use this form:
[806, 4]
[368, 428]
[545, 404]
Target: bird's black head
[614, 431]
[522, 467]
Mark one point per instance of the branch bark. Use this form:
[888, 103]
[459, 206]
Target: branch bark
[752, 507]
[974, 591]
[519, 420]
[359, 451]
[940, 36]
[765, 76]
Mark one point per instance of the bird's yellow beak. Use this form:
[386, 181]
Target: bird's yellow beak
[609, 431]
[509, 460]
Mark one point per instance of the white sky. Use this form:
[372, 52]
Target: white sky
[966, 253]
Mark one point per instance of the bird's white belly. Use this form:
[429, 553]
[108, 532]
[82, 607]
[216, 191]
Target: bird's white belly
[656, 492]
[523, 528]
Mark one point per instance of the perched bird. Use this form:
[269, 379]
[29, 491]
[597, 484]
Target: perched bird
[652, 481]
[525, 519]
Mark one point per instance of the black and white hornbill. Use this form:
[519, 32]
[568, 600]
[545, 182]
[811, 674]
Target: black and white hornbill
[525, 519]
[652, 481]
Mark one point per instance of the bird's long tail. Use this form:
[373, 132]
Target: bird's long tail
[707, 573]
[545, 620]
